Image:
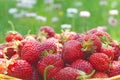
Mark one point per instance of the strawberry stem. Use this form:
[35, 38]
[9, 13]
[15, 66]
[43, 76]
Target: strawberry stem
[88, 76]
[45, 71]
[29, 31]
[12, 25]
[84, 76]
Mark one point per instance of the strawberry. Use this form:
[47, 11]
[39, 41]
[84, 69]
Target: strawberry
[51, 45]
[114, 69]
[104, 36]
[69, 73]
[91, 43]
[82, 65]
[66, 73]
[100, 61]
[95, 30]
[10, 49]
[31, 51]
[67, 35]
[116, 48]
[20, 69]
[109, 52]
[100, 75]
[12, 35]
[79, 37]
[49, 31]
[72, 51]
[51, 59]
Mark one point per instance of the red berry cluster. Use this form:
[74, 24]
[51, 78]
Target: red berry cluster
[65, 56]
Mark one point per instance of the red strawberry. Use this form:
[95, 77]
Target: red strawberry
[20, 69]
[31, 51]
[13, 36]
[116, 48]
[10, 49]
[49, 31]
[82, 65]
[72, 51]
[100, 75]
[91, 43]
[69, 73]
[51, 45]
[100, 61]
[109, 52]
[95, 30]
[50, 59]
[79, 37]
[66, 36]
[104, 36]
[114, 69]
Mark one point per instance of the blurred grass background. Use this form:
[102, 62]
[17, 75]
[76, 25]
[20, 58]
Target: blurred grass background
[99, 17]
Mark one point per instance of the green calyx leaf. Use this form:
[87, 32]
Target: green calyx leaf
[42, 36]
[104, 39]
[46, 52]
[12, 32]
[88, 46]
[64, 35]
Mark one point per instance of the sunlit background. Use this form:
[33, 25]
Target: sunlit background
[78, 15]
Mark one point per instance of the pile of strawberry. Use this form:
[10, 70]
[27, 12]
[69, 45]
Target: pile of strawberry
[65, 56]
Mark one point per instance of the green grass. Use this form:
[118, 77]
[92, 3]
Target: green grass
[99, 17]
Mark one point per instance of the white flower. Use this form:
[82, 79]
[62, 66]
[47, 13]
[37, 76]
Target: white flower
[41, 18]
[68, 26]
[85, 14]
[113, 12]
[112, 21]
[103, 3]
[55, 19]
[31, 14]
[13, 10]
[26, 3]
[72, 10]
[48, 1]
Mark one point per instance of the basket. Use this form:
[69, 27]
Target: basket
[6, 77]
[112, 78]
